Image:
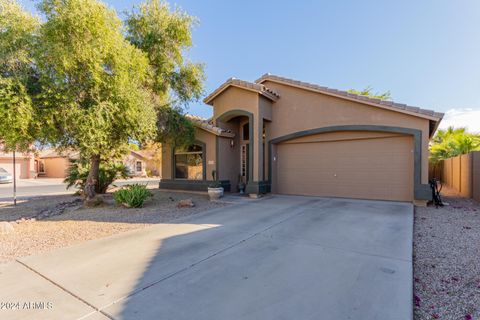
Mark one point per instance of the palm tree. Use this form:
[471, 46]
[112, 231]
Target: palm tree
[453, 142]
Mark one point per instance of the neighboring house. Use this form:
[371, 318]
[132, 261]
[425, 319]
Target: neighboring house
[50, 163]
[53, 164]
[143, 163]
[24, 164]
[290, 137]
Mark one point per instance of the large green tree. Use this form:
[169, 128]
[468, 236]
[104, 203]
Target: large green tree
[18, 77]
[93, 97]
[82, 79]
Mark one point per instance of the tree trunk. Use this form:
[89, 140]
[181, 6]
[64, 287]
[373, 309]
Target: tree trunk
[92, 179]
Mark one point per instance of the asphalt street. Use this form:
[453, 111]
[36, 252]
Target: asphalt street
[28, 188]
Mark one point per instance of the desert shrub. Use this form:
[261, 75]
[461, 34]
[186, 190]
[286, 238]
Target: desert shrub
[133, 196]
[109, 171]
[149, 173]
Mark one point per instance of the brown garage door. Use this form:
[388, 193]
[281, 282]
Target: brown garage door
[365, 168]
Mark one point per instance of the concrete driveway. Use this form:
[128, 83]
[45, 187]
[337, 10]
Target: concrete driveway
[280, 257]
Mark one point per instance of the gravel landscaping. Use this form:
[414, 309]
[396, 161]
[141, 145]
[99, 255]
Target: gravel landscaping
[447, 261]
[45, 223]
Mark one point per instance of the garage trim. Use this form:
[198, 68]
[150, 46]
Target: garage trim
[421, 191]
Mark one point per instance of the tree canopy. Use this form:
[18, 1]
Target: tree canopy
[368, 92]
[17, 75]
[93, 94]
[85, 80]
[453, 142]
[165, 35]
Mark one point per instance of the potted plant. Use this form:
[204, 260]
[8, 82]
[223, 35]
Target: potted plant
[215, 189]
[241, 185]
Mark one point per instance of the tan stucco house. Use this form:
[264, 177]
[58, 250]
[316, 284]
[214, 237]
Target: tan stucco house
[24, 164]
[143, 163]
[53, 164]
[290, 137]
[50, 163]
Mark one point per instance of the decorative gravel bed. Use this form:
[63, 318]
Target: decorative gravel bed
[60, 221]
[447, 261]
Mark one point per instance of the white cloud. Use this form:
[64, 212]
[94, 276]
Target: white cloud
[466, 117]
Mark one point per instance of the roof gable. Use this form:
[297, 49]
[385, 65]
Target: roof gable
[389, 105]
[250, 86]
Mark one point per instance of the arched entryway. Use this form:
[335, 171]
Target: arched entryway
[235, 156]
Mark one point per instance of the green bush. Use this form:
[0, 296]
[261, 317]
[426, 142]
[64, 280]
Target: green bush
[133, 196]
[109, 171]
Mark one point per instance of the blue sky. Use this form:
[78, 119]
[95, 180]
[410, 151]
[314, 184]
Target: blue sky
[427, 53]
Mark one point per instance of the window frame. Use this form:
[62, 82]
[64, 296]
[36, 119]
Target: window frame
[136, 166]
[246, 131]
[203, 153]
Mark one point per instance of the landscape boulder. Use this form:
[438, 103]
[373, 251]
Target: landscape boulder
[186, 203]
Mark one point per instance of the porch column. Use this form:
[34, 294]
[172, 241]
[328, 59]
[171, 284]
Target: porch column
[257, 149]
[257, 185]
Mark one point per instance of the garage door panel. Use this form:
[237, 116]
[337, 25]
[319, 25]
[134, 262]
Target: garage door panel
[380, 168]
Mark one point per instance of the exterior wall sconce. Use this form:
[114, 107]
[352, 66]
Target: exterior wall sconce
[232, 143]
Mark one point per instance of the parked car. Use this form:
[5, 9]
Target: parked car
[5, 177]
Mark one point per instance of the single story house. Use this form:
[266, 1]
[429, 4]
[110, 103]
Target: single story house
[53, 164]
[143, 163]
[291, 137]
[24, 164]
[50, 163]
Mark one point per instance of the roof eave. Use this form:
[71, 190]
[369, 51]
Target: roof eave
[437, 124]
[381, 103]
[232, 82]
[214, 132]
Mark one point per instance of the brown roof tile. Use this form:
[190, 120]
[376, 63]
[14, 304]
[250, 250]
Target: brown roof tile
[256, 87]
[208, 126]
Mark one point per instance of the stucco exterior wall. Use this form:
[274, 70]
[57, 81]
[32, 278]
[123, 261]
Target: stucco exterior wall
[235, 99]
[299, 109]
[24, 167]
[167, 162]
[154, 166]
[210, 150]
[56, 167]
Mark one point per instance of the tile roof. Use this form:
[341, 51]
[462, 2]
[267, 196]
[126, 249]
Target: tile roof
[208, 126]
[255, 87]
[51, 153]
[436, 116]
[146, 154]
